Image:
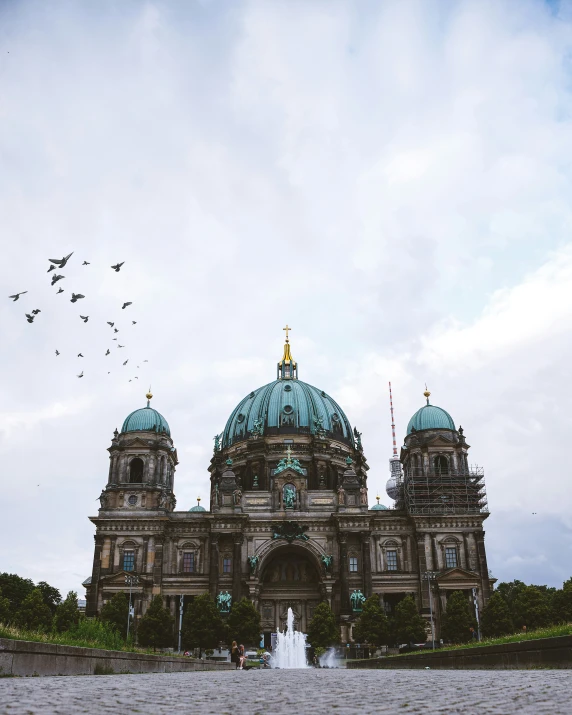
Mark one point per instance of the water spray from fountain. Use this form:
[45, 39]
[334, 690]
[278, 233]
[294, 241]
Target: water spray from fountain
[290, 651]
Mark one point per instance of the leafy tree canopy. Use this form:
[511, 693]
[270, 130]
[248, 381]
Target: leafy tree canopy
[15, 589]
[115, 612]
[156, 627]
[5, 610]
[407, 626]
[532, 608]
[244, 623]
[496, 620]
[52, 597]
[458, 619]
[323, 630]
[67, 613]
[203, 626]
[373, 625]
[33, 613]
[562, 603]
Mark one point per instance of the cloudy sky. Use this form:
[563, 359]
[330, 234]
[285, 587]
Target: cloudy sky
[391, 179]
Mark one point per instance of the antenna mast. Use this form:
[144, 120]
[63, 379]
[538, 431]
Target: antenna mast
[392, 422]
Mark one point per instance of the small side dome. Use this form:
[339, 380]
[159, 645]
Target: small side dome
[198, 506]
[430, 417]
[146, 419]
[378, 506]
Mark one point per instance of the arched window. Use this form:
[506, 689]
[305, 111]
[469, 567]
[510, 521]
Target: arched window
[441, 465]
[136, 471]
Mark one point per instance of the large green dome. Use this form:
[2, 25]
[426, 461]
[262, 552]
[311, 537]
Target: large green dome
[287, 406]
[146, 419]
[430, 417]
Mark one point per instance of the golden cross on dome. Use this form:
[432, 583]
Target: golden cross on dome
[287, 329]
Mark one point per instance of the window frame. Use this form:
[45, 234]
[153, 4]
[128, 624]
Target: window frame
[128, 556]
[451, 550]
[353, 564]
[226, 560]
[190, 556]
[391, 562]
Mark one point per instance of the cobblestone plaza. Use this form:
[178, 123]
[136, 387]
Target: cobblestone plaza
[294, 691]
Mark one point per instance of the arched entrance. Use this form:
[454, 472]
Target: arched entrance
[289, 577]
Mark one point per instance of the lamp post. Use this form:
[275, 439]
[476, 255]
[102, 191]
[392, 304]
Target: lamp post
[429, 576]
[476, 603]
[181, 604]
[131, 580]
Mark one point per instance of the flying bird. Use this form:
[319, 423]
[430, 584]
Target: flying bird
[120, 346]
[134, 322]
[51, 268]
[85, 263]
[75, 297]
[56, 278]
[107, 353]
[136, 377]
[125, 363]
[114, 338]
[117, 267]
[79, 355]
[57, 352]
[112, 324]
[61, 290]
[62, 261]
[125, 305]
[30, 318]
[85, 318]
[36, 311]
[130, 380]
[145, 360]
[17, 295]
[115, 330]
[81, 374]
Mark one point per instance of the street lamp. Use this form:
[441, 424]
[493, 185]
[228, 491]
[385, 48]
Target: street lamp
[429, 576]
[131, 580]
[181, 604]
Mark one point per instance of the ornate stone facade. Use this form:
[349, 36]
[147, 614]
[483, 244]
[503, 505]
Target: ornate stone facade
[289, 522]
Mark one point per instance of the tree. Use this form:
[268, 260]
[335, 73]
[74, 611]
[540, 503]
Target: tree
[5, 610]
[495, 618]
[52, 597]
[372, 626]
[67, 613]
[243, 623]
[562, 603]
[115, 612]
[33, 613]
[156, 627]
[458, 619]
[407, 625]
[509, 590]
[532, 608]
[203, 626]
[15, 589]
[323, 630]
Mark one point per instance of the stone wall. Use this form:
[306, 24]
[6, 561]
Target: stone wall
[27, 658]
[540, 653]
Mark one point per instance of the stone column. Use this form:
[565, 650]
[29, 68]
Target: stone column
[429, 552]
[472, 552]
[213, 567]
[111, 463]
[237, 568]
[484, 571]
[366, 559]
[345, 596]
[158, 565]
[91, 605]
[144, 554]
[112, 554]
[463, 551]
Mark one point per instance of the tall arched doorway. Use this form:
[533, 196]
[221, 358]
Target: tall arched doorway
[289, 578]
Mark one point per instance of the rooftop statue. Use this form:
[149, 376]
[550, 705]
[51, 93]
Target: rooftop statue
[289, 463]
[258, 427]
[216, 443]
[253, 563]
[223, 601]
[327, 562]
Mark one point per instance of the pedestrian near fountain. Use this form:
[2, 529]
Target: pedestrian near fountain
[241, 656]
[234, 654]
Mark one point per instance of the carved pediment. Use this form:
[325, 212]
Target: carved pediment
[118, 579]
[456, 574]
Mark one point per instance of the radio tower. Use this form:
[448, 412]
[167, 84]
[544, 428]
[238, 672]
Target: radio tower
[393, 487]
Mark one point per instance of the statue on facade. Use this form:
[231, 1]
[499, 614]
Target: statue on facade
[103, 499]
[257, 428]
[319, 426]
[357, 436]
[253, 563]
[322, 484]
[163, 500]
[237, 494]
[363, 495]
[255, 482]
[341, 495]
[223, 601]
[215, 498]
[216, 447]
[357, 599]
[289, 496]
[327, 562]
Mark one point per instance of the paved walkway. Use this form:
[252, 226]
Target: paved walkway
[295, 692]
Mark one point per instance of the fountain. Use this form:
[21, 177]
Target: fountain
[290, 651]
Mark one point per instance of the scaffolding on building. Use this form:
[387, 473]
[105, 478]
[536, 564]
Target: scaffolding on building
[445, 492]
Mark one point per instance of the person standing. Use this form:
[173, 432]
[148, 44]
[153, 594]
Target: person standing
[234, 654]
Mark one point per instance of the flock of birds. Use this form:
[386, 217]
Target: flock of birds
[57, 264]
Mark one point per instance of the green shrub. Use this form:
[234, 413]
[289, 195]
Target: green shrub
[33, 613]
[323, 630]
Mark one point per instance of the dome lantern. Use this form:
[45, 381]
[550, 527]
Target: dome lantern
[430, 417]
[287, 367]
[146, 419]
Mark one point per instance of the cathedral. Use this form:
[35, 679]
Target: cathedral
[289, 523]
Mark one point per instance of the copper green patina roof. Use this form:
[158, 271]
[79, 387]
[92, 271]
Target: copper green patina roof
[146, 419]
[430, 417]
[287, 407]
